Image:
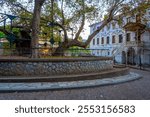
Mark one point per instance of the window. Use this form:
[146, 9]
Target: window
[93, 41]
[128, 36]
[97, 41]
[107, 40]
[102, 41]
[128, 19]
[120, 38]
[113, 39]
[138, 18]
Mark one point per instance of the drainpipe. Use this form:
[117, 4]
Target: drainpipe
[126, 58]
[137, 53]
[140, 63]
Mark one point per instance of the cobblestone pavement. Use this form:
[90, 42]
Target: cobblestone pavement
[139, 89]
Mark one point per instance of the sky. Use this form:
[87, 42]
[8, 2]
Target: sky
[86, 32]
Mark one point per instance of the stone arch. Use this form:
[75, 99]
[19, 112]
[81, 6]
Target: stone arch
[123, 57]
[131, 56]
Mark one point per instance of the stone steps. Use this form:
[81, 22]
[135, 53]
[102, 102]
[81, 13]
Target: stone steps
[39, 86]
[116, 72]
[119, 66]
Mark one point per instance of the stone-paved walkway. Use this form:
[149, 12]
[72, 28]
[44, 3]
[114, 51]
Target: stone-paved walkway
[139, 89]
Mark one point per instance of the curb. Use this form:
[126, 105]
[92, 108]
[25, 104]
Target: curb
[13, 87]
[65, 78]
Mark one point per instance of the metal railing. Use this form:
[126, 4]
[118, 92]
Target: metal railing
[134, 43]
[44, 52]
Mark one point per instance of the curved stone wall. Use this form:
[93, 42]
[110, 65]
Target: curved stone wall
[56, 66]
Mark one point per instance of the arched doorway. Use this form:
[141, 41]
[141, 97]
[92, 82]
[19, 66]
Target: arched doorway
[131, 56]
[123, 57]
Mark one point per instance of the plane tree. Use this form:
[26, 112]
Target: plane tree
[72, 14]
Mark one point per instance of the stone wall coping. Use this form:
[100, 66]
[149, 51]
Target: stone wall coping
[55, 59]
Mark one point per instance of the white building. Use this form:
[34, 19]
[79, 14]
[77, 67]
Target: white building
[123, 45]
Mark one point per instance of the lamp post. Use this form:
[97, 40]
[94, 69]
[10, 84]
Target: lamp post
[52, 23]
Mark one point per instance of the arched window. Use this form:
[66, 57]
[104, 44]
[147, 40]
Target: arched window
[93, 41]
[120, 38]
[108, 40]
[113, 39]
[128, 36]
[102, 41]
[97, 41]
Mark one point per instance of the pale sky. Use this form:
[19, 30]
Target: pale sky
[86, 32]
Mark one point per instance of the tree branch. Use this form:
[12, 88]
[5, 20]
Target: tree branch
[62, 12]
[82, 22]
[19, 6]
[65, 32]
[105, 22]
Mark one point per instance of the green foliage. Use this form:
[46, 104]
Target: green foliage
[2, 35]
[7, 50]
[120, 21]
[71, 13]
[78, 51]
[80, 39]
[105, 17]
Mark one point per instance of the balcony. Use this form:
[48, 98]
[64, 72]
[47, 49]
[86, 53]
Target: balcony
[134, 25]
[134, 44]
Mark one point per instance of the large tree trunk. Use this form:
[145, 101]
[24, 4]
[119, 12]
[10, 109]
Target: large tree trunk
[61, 49]
[35, 27]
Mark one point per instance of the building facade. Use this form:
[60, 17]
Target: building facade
[128, 42]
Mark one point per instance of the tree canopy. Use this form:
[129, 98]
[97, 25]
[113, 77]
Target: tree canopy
[69, 15]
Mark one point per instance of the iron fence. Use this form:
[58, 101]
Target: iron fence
[45, 52]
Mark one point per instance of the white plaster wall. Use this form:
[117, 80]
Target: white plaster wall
[117, 31]
[146, 36]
